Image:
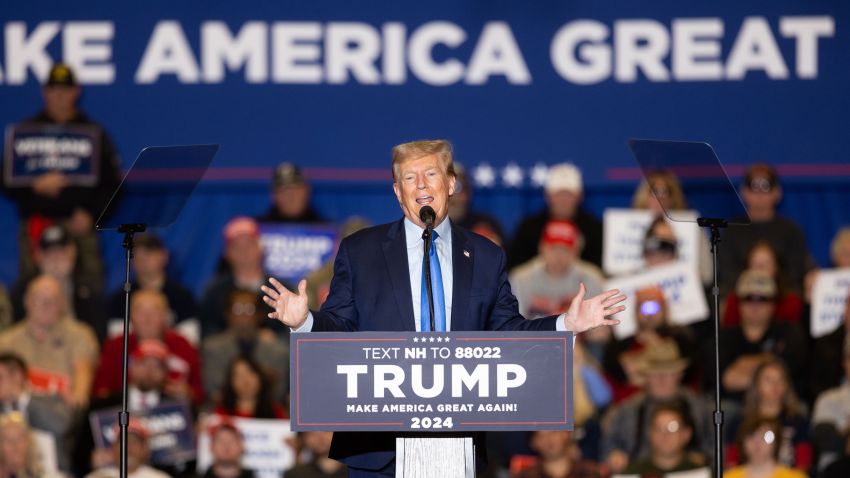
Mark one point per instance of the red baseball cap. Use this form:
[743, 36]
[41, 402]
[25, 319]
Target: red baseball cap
[151, 348]
[561, 232]
[239, 226]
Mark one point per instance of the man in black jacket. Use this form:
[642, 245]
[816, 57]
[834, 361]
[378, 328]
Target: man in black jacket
[564, 193]
[290, 198]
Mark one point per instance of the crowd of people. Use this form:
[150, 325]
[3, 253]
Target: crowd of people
[642, 402]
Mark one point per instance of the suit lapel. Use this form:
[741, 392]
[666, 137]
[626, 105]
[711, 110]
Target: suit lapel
[395, 256]
[462, 278]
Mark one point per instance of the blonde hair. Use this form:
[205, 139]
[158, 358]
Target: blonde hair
[640, 200]
[418, 149]
[841, 237]
[34, 464]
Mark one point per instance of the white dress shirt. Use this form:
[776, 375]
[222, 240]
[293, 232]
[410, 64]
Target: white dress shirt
[415, 253]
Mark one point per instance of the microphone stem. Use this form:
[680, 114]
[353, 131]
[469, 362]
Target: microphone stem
[426, 261]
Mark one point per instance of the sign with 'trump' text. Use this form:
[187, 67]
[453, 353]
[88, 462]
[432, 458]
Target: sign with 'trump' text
[292, 251]
[412, 381]
[35, 149]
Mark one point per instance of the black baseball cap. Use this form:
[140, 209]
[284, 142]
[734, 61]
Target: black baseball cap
[61, 75]
[761, 176]
[288, 174]
[54, 236]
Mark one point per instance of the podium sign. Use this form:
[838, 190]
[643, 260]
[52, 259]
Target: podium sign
[432, 382]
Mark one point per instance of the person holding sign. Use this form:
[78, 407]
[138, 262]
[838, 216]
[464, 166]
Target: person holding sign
[62, 168]
[377, 284]
[138, 456]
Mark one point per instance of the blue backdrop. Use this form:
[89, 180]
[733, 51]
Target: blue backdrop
[333, 85]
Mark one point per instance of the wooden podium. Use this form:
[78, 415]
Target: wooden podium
[434, 390]
[417, 457]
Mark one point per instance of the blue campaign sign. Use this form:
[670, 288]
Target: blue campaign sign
[34, 149]
[291, 251]
[169, 424]
[432, 382]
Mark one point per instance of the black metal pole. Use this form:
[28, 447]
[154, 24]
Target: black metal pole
[715, 225]
[124, 415]
[426, 264]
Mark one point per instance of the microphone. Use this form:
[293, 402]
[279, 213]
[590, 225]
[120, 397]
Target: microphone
[428, 216]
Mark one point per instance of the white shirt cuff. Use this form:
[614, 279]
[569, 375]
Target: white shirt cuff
[561, 326]
[307, 326]
[561, 323]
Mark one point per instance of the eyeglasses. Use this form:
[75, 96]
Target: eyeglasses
[661, 192]
[767, 437]
[760, 185]
[672, 426]
[243, 308]
[761, 299]
[657, 245]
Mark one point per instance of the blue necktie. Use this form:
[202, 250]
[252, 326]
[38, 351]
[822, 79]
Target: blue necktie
[436, 289]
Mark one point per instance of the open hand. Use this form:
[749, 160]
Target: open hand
[289, 308]
[585, 314]
[50, 184]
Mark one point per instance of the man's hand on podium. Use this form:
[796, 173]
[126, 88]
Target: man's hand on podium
[585, 314]
[289, 308]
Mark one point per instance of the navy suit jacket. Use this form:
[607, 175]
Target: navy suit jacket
[370, 291]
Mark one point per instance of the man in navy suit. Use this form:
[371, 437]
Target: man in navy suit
[378, 276]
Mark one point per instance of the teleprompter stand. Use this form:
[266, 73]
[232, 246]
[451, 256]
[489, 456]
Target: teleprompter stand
[701, 174]
[152, 194]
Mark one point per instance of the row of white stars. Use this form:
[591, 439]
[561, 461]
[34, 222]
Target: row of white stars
[485, 176]
[431, 339]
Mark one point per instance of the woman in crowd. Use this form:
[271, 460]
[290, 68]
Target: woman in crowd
[661, 191]
[772, 396]
[760, 440]
[20, 455]
[247, 392]
[667, 193]
[789, 306]
[670, 432]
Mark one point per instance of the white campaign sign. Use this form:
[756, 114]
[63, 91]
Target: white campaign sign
[265, 449]
[829, 295]
[624, 230]
[682, 289]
